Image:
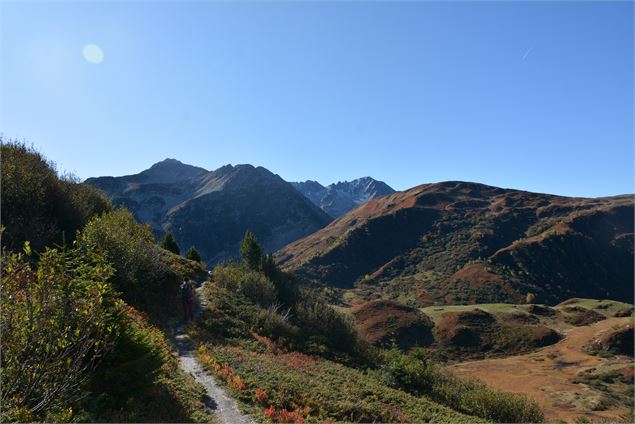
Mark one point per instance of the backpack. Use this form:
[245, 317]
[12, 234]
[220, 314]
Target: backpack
[185, 291]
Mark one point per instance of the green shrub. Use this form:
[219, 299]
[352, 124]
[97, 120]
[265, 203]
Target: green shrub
[169, 244]
[307, 323]
[229, 314]
[128, 246]
[257, 288]
[227, 277]
[253, 285]
[275, 324]
[146, 275]
[322, 326]
[57, 325]
[39, 206]
[193, 254]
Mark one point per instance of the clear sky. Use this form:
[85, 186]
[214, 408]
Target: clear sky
[529, 95]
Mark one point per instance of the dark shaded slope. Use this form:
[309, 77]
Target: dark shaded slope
[212, 210]
[236, 199]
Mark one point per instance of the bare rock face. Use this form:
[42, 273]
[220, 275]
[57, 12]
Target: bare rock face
[212, 209]
[339, 198]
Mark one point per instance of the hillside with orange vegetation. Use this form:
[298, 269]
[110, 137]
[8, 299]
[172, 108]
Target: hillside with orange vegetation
[458, 242]
[381, 322]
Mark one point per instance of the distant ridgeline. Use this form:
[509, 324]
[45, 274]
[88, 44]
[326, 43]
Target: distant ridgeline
[212, 210]
[450, 242]
[337, 199]
[459, 242]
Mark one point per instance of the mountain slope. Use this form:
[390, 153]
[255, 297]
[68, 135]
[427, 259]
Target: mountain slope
[212, 210]
[339, 198]
[458, 242]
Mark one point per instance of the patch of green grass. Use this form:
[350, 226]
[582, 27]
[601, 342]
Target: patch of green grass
[606, 307]
[435, 312]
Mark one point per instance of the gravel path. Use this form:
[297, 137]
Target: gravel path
[223, 406]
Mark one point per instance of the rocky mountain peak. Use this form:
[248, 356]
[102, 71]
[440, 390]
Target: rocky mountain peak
[338, 198]
[212, 210]
[169, 171]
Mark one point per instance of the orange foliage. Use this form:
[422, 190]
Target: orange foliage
[261, 395]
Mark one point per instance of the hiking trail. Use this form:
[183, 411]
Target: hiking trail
[222, 405]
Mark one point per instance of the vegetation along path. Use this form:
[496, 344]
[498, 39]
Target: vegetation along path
[548, 374]
[223, 405]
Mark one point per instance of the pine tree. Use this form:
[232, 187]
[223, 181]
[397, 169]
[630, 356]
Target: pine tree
[269, 267]
[193, 255]
[250, 251]
[169, 244]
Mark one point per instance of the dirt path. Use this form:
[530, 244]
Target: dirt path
[223, 406]
[546, 375]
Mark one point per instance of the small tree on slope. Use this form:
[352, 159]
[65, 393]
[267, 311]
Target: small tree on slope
[250, 251]
[193, 254]
[169, 244]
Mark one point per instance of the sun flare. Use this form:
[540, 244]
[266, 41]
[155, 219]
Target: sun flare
[93, 54]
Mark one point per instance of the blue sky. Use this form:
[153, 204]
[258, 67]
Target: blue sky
[536, 96]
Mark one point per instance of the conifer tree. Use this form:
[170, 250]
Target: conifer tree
[251, 251]
[193, 254]
[169, 244]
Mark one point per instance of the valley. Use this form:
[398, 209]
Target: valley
[567, 382]
[448, 302]
[584, 372]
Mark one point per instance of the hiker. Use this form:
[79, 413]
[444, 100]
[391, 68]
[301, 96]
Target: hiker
[186, 300]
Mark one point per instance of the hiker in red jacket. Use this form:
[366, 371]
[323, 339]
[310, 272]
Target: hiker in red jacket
[186, 300]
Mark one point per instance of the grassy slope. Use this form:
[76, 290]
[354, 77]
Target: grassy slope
[605, 307]
[519, 325]
[457, 243]
[435, 312]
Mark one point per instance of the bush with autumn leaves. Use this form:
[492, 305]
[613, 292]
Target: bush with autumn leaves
[294, 387]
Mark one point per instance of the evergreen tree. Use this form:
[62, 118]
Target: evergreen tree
[169, 244]
[251, 251]
[268, 267]
[193, 255]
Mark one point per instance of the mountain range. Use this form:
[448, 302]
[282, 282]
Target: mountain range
[460, 242]
[212, 209]
[443, 243]
[339, 198]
